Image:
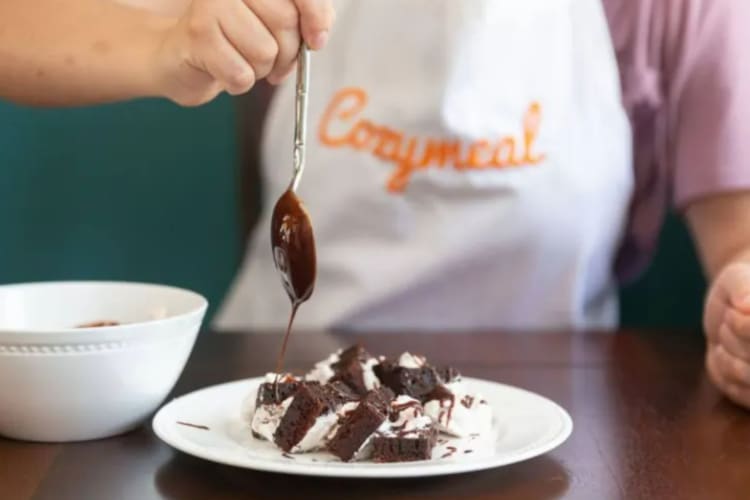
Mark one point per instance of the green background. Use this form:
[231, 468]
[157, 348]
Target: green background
[148, 191]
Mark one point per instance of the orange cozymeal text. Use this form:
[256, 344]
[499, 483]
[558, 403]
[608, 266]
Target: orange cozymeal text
[413, 153]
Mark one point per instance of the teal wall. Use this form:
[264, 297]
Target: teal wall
[147, 191]
[137, 191]
[670, 293]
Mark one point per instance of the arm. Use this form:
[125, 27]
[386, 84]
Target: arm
[708, 90]
[72, 52]
[55, 52]
[721, 228]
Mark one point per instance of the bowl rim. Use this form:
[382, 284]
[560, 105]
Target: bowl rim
[32, 335]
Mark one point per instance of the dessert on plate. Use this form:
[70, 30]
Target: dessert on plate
[359, 407]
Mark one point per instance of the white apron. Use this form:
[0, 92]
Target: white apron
[469, 167]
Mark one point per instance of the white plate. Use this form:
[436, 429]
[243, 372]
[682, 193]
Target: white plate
[526, 424]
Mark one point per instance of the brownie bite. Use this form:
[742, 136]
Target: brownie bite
[311, 415]
[270, 404]
[412, 376]
[407, 435]
[352, 366]
[276, 391]
[352, 437]
[417, 446]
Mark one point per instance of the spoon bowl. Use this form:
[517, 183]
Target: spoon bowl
[293, 247]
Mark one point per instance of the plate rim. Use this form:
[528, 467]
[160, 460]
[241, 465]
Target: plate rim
[382, 471]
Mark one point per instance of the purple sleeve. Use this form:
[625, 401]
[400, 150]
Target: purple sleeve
[708, 109]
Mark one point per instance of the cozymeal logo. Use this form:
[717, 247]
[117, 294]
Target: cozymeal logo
[412, 153]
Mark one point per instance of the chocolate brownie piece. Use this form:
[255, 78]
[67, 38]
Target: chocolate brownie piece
[269, 407]
[276, 392]
[414, 382]
[354, 367]
[313, 406]
[404, 447]
[356, 427]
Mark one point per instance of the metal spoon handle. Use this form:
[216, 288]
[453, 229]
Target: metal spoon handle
[300, 113]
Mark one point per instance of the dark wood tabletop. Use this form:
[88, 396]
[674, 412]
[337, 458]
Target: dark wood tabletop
[648, 425]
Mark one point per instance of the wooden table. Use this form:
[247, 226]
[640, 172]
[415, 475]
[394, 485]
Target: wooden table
[648, 425]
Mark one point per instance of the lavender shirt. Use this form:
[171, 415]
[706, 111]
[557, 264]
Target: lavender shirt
[685, 72]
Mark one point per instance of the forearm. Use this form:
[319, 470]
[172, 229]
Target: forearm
[721, 230]
[73, 52]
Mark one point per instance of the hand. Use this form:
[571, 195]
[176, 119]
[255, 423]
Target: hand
[228, 45]
[727, 326]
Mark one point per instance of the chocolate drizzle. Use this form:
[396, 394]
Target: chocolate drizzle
[467, 401]
[396, 409]
[451, 451]
[282, 352]
[442, 394]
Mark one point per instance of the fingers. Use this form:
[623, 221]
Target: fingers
[316, 20]
[713, 315]
[734, 370]
[250, 37]
[281, 19]
[727, 324]
[218, 56]
[233, 43]
[733, 344]
[729, 374]
[733, 337]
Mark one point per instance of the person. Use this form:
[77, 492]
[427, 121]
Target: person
[495, 164]
[503, 164]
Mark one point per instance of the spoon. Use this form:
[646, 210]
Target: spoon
[292, 239]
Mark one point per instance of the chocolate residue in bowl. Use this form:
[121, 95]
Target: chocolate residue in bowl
[195, 426]
[99, 324]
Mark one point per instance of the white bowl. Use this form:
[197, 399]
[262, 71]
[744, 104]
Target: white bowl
[63, 383]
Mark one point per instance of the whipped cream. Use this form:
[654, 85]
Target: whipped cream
[321, 431]
[368, 374]
[322, 371]
[267, 417]
[462, 414]
[409, 360]
[409, 420]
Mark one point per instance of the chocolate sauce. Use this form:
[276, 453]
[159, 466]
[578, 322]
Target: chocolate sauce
[293, 248]
[397, 409]
[99, 324]
[451, 451]
[467, 401]
[195, 426]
